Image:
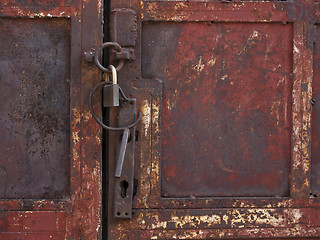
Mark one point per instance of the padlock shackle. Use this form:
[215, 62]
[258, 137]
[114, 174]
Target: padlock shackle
[114, 74]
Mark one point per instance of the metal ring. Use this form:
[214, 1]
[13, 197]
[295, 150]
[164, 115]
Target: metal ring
[98, 120]
[97, 55]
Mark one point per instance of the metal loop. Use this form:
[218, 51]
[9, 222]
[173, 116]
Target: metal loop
[98, 120]
[97, 56]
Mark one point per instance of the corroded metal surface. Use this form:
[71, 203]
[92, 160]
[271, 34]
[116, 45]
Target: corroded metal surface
[77, 216]
[224, 146]
[123, 24]
[32, 8]
[34, 134]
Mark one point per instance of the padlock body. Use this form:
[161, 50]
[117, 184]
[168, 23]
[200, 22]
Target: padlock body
[111, 95]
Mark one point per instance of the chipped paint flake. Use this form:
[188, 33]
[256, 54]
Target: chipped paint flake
[155, 117]
[75, 137]
[212, 62]
[193, 221]
[171, 102]
[76, 115]
[146, 116]
[199, 66]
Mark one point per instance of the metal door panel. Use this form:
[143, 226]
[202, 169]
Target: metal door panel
[35, 122]
[225, 138]
[181, 59]
[226, 124]
[50, 154]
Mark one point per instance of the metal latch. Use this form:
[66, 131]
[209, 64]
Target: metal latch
[120, 55]
[124, 170]
[127, 120]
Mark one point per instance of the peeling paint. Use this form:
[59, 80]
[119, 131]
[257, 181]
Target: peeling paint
[200, 66]
[155, 117]
[75, 137]
[146, 116]
[193, 221]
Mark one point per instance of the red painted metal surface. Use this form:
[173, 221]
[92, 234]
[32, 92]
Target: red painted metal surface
[47, 82]
[224, 146]
[226, 123]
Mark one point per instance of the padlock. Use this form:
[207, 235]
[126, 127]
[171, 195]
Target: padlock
[111, 91]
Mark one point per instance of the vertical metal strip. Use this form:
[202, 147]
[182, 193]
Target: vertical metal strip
[123, 185]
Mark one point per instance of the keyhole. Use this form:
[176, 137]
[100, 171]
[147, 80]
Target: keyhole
[124, 186]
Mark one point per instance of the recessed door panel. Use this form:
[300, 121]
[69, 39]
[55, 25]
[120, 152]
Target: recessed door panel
[226, 107]
[35, 108]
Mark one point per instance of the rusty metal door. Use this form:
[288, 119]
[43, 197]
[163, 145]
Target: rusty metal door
[229, 94]
[49, 144]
